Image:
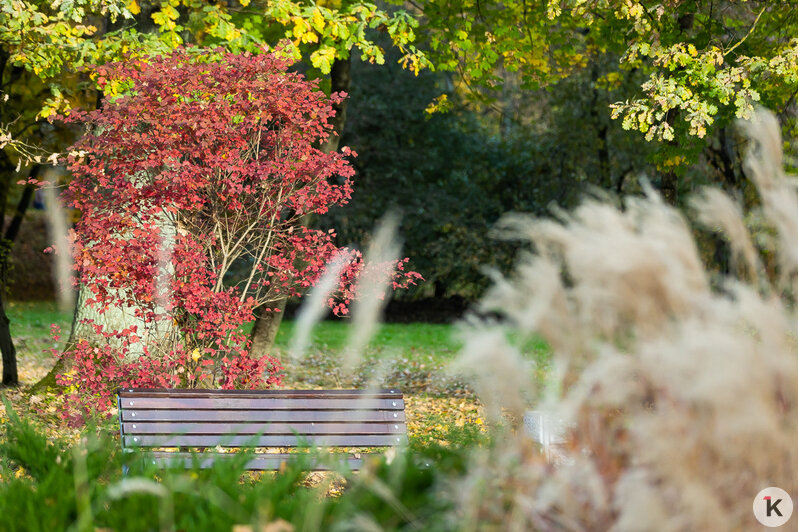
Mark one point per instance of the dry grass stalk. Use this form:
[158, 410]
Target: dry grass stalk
[57, 227]
[373, 287]
[314, 307]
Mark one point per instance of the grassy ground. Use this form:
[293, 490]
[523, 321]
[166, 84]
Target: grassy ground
[409, 348]
[410, 357]
[30, 328]
[436, 341]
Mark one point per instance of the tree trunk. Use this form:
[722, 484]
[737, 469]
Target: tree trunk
[22, 207]
[668, 187]
[115, 318]
[266, 324]
[264, 330]
[9, 352]
[340, 81]
[159, 336]
[10, 374]
[602, 149]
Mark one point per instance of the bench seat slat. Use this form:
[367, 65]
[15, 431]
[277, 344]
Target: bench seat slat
[290, 394]
[262, 462]
[264, 428]
[358, 440]
[264, 403]
[266, 416]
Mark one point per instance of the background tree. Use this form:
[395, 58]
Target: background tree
[705, 63]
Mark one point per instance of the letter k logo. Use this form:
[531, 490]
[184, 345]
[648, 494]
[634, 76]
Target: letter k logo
[772, 506]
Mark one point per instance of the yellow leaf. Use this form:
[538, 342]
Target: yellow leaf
[195, 355]
[170, 12]
[318, 20]
[299, 27]
[133, 7]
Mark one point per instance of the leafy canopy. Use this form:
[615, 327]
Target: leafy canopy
[706, 62]
[55, 41]
[326, 31]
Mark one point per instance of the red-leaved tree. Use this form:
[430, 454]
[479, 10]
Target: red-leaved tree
[192, 187]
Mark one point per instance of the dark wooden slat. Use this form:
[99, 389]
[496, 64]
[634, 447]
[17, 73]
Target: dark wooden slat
[274, 416]
[261, 418]
[264, 428]
[235, 403]
[142, 392]
[262, 462]
[264, 441]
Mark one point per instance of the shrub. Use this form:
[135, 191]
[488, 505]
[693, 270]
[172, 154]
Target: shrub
[199, 163]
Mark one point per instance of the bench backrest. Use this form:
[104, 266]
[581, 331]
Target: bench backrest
[262, 418]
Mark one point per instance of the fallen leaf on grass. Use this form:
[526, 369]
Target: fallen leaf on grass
[429, 418]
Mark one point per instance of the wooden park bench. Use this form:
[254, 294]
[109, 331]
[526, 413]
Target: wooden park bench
[214, 420]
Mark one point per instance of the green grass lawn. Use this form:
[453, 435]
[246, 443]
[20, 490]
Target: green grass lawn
[411, 356]
[405, 353]
[31, 319]
[30, 323]
[433, 339]
[30, 329]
